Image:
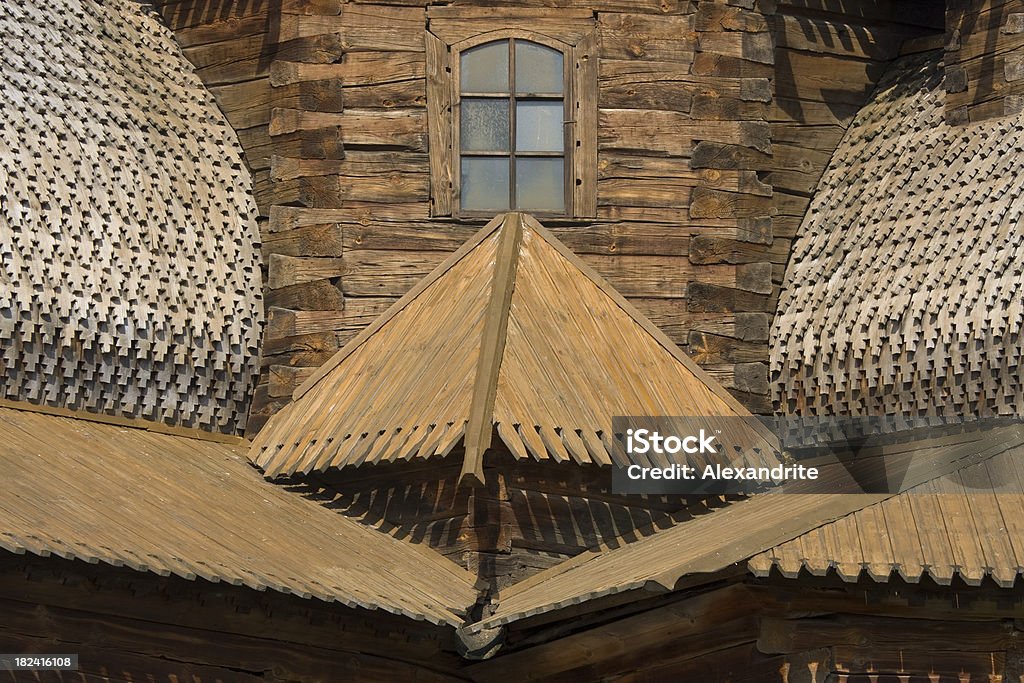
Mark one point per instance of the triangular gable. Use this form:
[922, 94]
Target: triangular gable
[512, 332]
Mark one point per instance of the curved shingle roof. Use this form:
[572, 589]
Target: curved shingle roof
[129, 263]
[904, 290]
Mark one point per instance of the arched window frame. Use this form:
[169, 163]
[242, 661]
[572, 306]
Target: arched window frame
[568, 116]
[447, 38]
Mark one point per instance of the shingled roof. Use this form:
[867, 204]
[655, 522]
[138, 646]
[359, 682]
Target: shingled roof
[967, 524]
[512, 332]
[169, 504]
[905, 290]
[742, 532]
[129, 260]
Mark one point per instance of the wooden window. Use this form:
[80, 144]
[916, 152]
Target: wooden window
[509, 127]
[513, 121]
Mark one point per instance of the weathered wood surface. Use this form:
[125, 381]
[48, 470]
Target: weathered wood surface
[387, 423]
[226, 513]
[131, 280]
[751, 128]
[113, 612]
[985, 71]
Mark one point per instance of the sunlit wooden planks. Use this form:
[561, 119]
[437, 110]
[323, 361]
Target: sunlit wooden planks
[960, 525]
[568, 355]
[195, 508]
[713, 542]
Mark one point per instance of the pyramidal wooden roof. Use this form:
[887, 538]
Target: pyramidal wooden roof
[514, 333]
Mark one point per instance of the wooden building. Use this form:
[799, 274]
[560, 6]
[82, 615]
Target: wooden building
[316, 314]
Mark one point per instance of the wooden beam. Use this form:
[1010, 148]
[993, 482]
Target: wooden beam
[479, 427]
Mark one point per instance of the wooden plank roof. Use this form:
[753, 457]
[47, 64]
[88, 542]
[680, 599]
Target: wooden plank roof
[904, 291]
[129, 249]
[745, 529]
[512, 333]
[967, 524]
[168, 504]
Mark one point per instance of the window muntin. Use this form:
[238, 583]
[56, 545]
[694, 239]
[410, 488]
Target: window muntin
[512, 128]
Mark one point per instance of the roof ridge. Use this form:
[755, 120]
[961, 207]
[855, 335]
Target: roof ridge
[480, 425]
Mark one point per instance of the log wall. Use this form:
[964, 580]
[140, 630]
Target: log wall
[329, 102]
[715, 120]
[129, 626]
[811, 630]
[829, 55]
[984, 59]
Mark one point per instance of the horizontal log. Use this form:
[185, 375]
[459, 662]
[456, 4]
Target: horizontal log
[841, 37]
[708, 298]
[356, 68]
[715, 108]
[405, 128]
[219, 29]
[644, 214]
[249, 104]
[230, 61]
[655, 192]
[364, 28]
[390, 188]
[709, 203]
[789, 110]
[356, 314]
[728, 66]
[318, 295]
[673, 318]
[648, 37]
[291, 217]
[726, 156]
[655, 276]
[385, 273]
[709, 249]
[913, 12]
[292, 270]
[713, 349]
[719, 17]
[322, 239]
[284, 380]
[387, 95]
[825, 78]
[453, 29]
[356, 163]
[197, 13]
[300, 350]
[579, 7]
[629, 131]
[793, 635]
[753, 47]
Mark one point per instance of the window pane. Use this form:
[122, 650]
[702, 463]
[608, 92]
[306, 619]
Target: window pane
[540, 184]
[485, 68]
[538, 68]
[484, 184]
[484, 126]
[539, 126]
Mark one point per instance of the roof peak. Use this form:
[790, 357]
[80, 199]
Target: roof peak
[513, 332]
